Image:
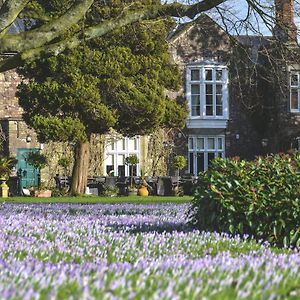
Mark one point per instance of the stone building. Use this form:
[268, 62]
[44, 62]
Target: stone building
[243, 93]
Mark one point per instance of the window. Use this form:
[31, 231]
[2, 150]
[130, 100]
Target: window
[116, 152]
[203, 149]
[207, 91]
[295, 92]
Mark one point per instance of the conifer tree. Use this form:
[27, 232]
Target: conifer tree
[115, 81]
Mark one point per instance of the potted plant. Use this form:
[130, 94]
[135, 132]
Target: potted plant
[131, 161]
[179, 162]
[38, 161]
[6, 165]
[143, 189]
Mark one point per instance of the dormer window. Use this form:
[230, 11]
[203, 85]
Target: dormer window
[295, 92]
[207, 91]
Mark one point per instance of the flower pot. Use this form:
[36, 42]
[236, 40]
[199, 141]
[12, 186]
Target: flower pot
[143, 191]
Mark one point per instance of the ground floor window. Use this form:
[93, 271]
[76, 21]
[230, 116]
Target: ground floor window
[116, 150]
[203, 149]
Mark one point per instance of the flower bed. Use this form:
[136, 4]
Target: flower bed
[127, 251]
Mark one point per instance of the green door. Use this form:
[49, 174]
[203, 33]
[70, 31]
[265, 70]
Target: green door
[28, 174]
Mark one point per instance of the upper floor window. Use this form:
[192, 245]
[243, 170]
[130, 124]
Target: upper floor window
[295, 92]
[207, 91]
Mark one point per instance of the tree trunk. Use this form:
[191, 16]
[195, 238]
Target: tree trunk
[80, 168]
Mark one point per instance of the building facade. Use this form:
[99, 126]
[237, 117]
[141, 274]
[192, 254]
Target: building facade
[242, 91]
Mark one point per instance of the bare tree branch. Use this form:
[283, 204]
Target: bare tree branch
[45, 33]
[9, 12]
[44, 39]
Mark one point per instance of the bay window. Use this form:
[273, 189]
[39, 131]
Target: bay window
[207, 91]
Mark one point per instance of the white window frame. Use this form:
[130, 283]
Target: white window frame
[202, 82]
[206, 150]
[115, 147]
[295, 87]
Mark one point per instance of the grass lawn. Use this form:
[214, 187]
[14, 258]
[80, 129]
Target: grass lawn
[95, 199]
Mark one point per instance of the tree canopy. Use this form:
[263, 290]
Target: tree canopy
[52, 19]
[116, 81]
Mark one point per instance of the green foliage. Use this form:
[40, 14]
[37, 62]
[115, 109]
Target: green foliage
[64, 162]
[105, 83]
[131, 160]
[259, 198]
[6, 165]
[110, 191]
[37, 160]
[179, 162]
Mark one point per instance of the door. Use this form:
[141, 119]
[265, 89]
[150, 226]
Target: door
[28, 174]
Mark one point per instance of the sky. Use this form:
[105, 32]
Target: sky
[236, 10]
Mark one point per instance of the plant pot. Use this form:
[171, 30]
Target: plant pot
[143, 191]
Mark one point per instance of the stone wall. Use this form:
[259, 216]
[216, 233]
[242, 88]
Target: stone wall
[9, 107]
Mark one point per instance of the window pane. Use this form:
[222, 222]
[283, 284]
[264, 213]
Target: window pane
[219, 110]
[130, 146]
[209, 110]
[191, 143]
[120, 145]
[109, 170]
[195, 74]
[211, 156]
[219, 99]
[121, 160]
[195, 89]
[196, 110]
[220, 143]
[219, 89]
[210, 143]
[208, 74]
[200, 143]
[191, 163]
[110, 160]
[294, 100]
[209, 89]
[135, 145]
[195, 100]
[294, 79]
[219, 75]
[209, 99]
[200, 162]
[121, 170]
[110, 165]
[111, 145]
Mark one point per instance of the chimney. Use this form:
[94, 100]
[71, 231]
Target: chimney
[285, 28]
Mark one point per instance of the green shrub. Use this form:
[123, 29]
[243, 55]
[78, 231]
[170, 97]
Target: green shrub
[259, 198]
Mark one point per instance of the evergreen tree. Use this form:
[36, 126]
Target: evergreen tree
[116, 81]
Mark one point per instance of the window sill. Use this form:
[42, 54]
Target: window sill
[207, 123]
